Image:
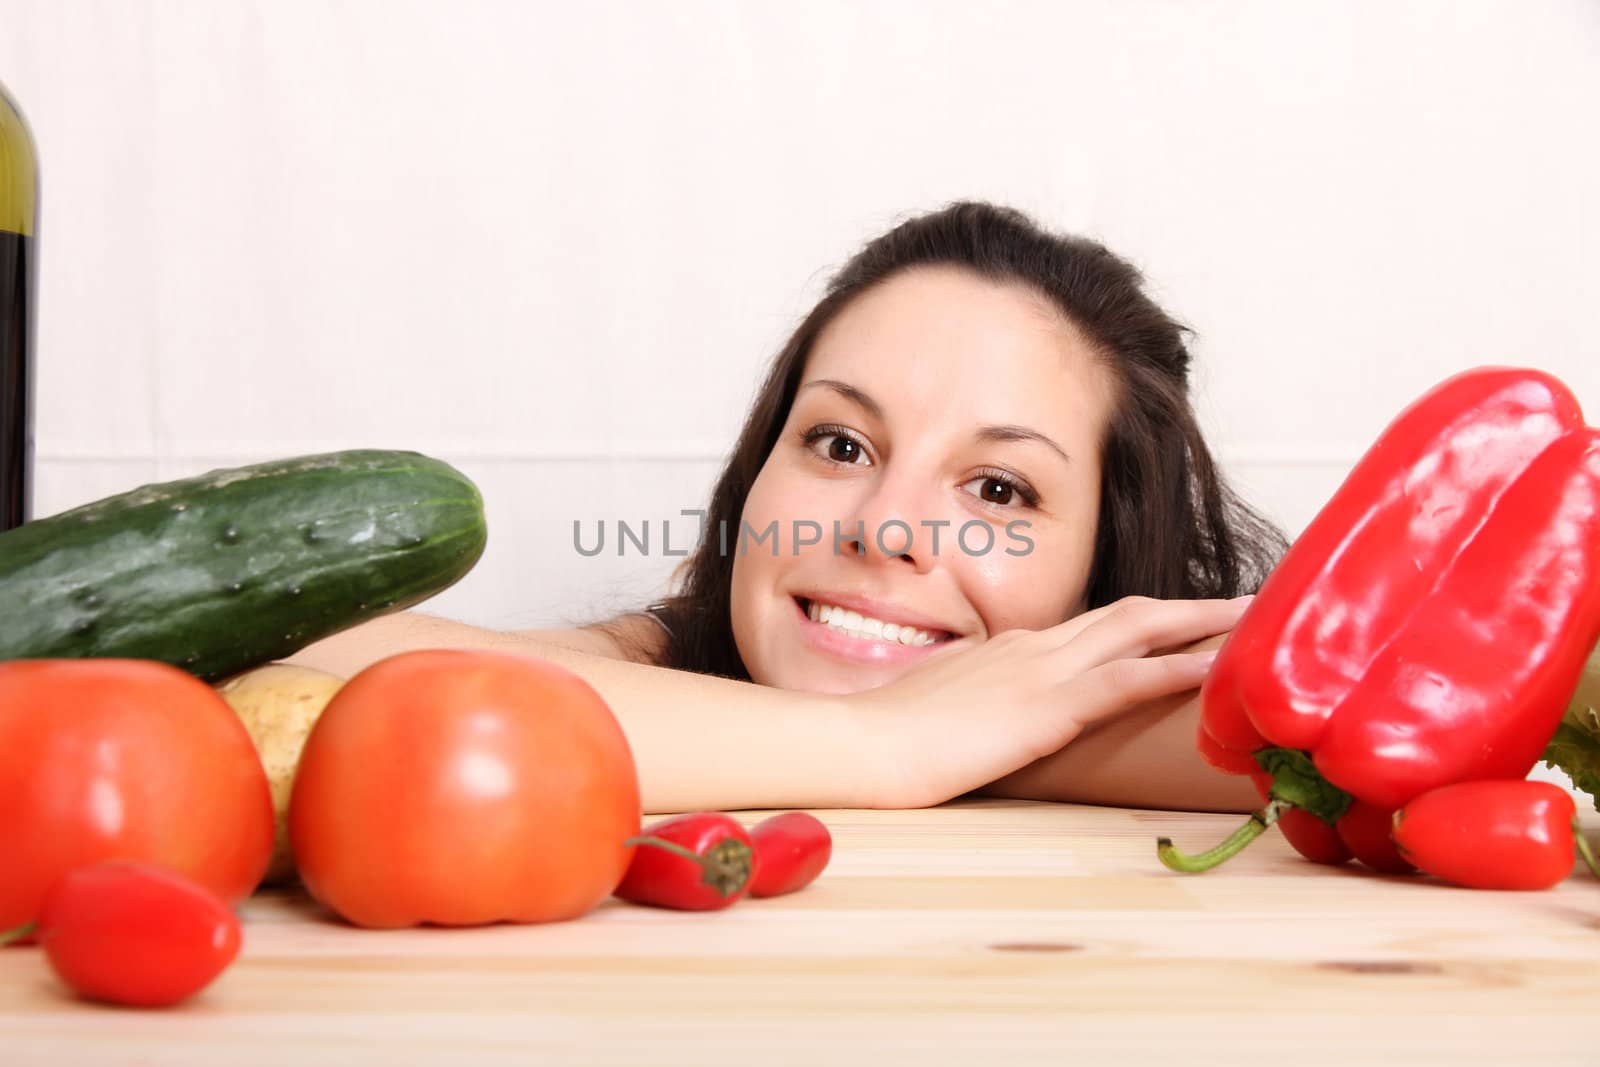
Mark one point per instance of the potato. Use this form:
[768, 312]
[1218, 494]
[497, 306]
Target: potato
[278, 705]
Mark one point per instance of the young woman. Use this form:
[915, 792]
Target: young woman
[970, 538]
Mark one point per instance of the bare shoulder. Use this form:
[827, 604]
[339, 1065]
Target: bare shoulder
[630, 637]
[635, 637]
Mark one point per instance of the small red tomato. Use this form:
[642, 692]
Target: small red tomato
[130, 933]
[1491, 834]
[791, 850]
[697, 862]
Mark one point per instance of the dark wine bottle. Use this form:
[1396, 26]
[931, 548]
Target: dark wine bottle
[19, 216]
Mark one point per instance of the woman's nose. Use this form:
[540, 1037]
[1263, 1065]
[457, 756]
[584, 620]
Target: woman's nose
[895, 520]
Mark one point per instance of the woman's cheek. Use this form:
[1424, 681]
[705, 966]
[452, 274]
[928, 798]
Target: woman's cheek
[756, 572]
[1021, 586]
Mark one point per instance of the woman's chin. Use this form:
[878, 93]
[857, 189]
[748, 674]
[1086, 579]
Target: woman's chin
[830, 682]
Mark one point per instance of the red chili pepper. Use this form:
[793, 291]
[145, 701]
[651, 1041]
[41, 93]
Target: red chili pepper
[1493, 834]
[697, 862]
[791, 849]
[130, 933]
[1364, 830]
[1430, 624]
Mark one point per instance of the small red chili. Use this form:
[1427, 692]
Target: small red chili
[792, 849]
[1493, 834]
[1366, 831]
[135, 934]
[697, 862]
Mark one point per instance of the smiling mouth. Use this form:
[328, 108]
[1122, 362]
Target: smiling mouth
[866, 628]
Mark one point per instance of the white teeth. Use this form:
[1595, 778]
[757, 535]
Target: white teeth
[867, 628]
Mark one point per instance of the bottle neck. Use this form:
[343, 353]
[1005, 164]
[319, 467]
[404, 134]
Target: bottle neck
[19, 171]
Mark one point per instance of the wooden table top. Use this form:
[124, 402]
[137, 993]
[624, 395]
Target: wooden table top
[982, 930]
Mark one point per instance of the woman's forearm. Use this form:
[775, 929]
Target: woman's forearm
[703, 742]
[707, 743]
[699, 741]
[1145, 758]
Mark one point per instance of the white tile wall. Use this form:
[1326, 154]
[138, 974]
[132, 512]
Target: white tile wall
[529, 237]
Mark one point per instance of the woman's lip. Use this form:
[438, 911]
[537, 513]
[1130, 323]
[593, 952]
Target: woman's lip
[825, 639]
[873, 609]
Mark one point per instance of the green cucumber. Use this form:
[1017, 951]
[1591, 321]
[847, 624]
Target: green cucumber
[222, 572]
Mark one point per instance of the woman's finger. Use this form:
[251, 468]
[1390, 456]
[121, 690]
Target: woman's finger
[1116, 686]
[1140, 627]
[1129, 607]
[1062, 632]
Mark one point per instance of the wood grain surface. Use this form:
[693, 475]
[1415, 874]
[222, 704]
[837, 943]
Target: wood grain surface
[977, 932]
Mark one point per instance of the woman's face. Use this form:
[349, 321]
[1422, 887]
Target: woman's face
[953, 425]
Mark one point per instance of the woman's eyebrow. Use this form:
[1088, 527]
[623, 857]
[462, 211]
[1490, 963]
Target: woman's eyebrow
[849, 392]
[1020, 433]
[1007, 432]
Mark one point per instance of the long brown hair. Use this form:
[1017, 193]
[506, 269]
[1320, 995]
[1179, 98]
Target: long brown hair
[1168, 527]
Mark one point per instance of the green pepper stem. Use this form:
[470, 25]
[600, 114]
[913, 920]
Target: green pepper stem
[17, 933]
[662, 843]
[1583, 848]
[725, 866]
[1257, 825]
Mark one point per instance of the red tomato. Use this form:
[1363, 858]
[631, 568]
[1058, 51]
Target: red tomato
[124, 759]
[134, 934]
[461, 787]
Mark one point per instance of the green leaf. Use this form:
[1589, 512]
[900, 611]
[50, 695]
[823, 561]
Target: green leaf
[1575, 749]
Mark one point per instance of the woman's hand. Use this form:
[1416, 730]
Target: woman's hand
[976, 712]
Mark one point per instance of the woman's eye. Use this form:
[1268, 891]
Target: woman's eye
[843, 450]
[836, 445]
[1002, 492]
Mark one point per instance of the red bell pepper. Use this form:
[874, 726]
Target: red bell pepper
[1493, 834]
[1428, 627]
